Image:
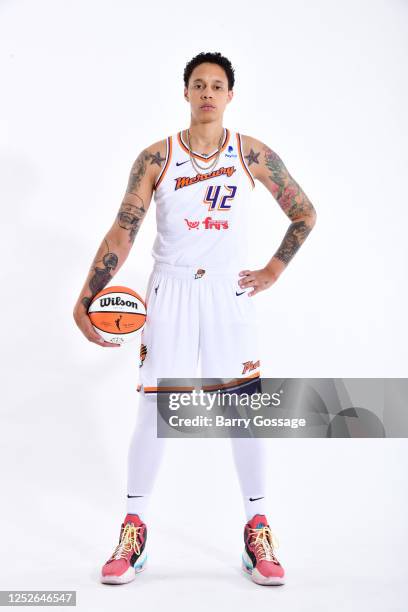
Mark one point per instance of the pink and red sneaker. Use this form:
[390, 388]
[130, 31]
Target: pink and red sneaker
[129, 557]
[258, 558]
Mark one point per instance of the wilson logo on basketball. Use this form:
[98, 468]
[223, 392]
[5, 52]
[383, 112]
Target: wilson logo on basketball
[117, 301]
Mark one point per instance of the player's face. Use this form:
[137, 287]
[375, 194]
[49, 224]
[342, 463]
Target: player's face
[207, 92]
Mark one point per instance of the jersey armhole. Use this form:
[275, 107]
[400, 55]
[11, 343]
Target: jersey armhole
[243, 162]
[166, 163]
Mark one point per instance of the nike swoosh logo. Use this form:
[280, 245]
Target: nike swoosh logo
[236, 293]
[135, 495]
[255, 498]
[181, 163]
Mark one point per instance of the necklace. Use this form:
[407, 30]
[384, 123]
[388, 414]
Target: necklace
[195, 164]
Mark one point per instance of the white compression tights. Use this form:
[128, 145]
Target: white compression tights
[146, 452]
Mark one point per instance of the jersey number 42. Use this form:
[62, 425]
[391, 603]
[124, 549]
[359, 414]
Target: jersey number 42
[217, 200]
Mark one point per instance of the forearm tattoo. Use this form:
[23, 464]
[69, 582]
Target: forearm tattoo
[294, 237]
[130, 216]
[293, 201]
[101, 275]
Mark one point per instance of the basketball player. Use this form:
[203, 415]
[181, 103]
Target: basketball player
[199, 294]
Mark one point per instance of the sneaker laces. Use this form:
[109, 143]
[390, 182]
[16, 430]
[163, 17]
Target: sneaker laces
[128, 542]
[264, 543]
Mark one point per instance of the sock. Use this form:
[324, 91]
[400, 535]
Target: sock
[144, 457]
[250, 457]
[254, 504]
[137, 504]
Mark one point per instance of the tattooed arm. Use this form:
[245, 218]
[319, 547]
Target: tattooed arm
[118, 241]
[267, 167]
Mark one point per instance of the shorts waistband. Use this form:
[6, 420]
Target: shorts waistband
[195, 271]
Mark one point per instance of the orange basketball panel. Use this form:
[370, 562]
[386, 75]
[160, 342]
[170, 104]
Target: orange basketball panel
[117, 322]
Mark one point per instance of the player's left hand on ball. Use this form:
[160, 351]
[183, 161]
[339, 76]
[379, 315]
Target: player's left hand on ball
[258, 279]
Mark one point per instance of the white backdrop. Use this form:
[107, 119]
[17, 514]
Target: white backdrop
[85, 87]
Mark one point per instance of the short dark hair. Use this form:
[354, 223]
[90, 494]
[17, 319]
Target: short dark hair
[212, 58]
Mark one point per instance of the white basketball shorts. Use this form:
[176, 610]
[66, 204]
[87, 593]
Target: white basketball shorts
[195, 313]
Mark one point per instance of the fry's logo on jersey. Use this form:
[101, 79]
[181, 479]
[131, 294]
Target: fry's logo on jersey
[192, 224]
[185, 181]
[249, 366]
[216, 223]
[208, 223]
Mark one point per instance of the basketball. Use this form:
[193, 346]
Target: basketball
[118, 314]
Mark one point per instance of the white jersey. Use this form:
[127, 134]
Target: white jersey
[202, 217]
